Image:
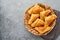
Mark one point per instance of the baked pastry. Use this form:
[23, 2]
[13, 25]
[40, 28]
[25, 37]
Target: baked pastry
[43, 30]
[35, 9]
[43, 14]
[50, 19]
[40, 19]
[37, 22]
[33, 18]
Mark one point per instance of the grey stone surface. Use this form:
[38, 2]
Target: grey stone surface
[11, 18]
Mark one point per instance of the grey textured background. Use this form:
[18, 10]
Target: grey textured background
[11, 18]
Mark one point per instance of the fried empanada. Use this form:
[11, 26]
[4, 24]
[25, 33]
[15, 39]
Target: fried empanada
[43, 30]
[50, 19]
[35, 9]
[38, 22]
[39, 29]
[43, 14]
[33, 18]
[46, 30]
[35, 22]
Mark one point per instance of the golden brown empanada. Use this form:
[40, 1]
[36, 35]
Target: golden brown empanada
[46, 30]
[33, 18]
[39, 29]
[43, 30]
[43, 14]
[35, 9]
[38, 22]
[35, 22]
[50, 19]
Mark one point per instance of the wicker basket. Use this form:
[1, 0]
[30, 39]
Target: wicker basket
[32, 30]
